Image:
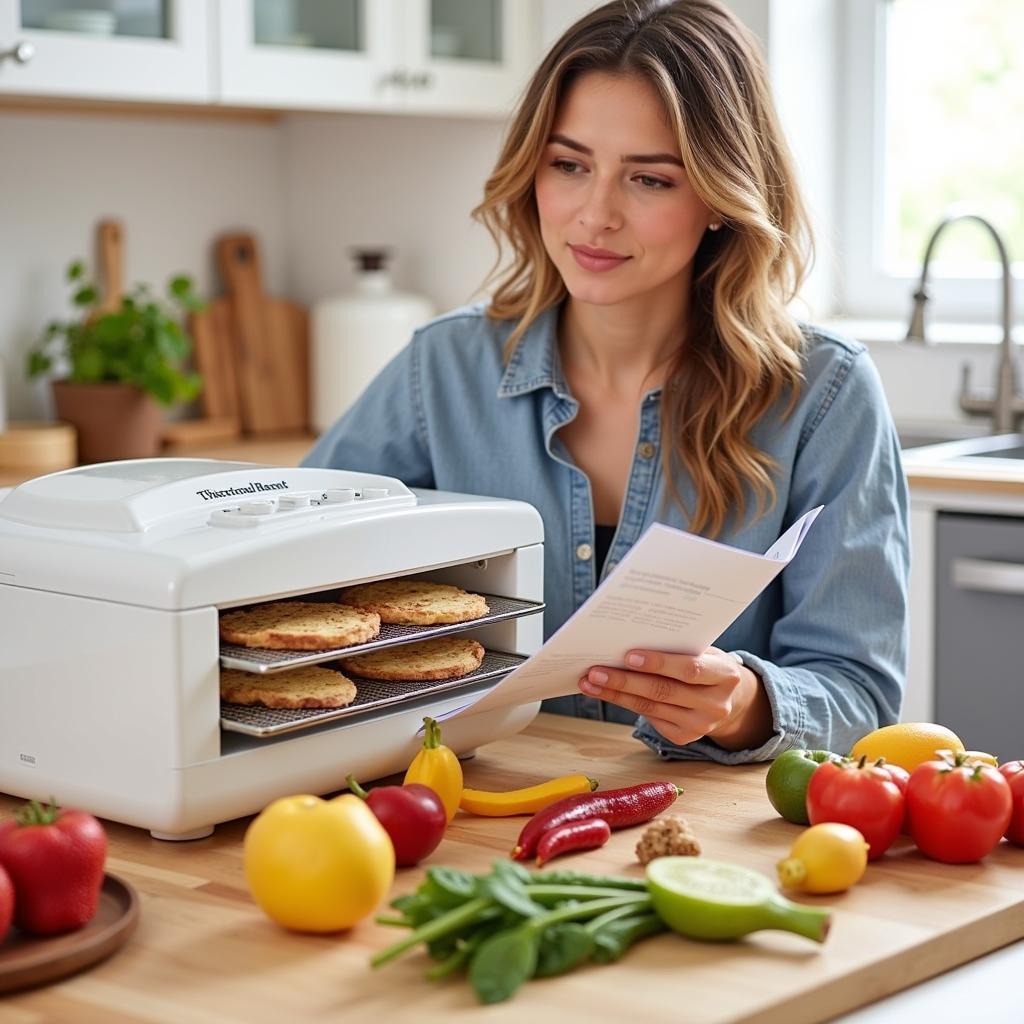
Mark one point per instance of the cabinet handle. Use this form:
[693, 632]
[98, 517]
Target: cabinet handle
[398, 76]
[993, 577]
[20, 53]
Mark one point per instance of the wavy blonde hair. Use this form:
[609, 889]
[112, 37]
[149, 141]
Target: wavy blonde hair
[742, 349]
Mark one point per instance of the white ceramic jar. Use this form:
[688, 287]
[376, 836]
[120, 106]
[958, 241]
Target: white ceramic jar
[355, 335]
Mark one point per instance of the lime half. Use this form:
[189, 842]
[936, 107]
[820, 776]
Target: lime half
[710, 899]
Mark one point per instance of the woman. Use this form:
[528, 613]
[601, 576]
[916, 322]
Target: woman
[637, 363]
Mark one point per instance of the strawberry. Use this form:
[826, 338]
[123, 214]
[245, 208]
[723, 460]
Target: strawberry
[55, 861]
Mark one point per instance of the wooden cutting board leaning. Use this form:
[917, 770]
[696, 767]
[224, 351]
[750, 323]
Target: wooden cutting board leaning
[270, 339]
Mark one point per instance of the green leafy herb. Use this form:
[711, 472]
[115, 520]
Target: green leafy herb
[142, 343]
[510, 925]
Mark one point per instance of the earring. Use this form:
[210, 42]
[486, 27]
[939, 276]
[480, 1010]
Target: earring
[714, 225]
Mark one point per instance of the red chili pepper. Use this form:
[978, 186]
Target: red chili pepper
[588, 834]
[619, 807]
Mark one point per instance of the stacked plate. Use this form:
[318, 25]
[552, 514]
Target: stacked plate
[94, 22]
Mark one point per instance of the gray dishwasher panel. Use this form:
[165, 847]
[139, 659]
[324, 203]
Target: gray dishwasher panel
[979, 620]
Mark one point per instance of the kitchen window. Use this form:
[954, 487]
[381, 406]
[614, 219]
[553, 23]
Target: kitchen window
[932, 115]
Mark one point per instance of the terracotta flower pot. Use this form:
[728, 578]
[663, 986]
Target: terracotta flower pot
[113, 420]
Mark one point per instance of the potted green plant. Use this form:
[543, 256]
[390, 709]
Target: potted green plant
[121, 366]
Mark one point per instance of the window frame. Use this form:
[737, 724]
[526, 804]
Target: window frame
[866, 288]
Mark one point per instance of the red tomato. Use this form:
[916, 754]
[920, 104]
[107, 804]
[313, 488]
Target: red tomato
[865, 796]
[1013, 772]
[958, 812]
[898, 775]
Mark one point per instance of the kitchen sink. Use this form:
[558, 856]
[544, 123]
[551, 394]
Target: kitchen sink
[1016, 452]
[920, 440]
[995, 449]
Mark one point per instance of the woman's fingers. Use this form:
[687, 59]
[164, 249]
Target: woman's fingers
[637, 690]
[680, 695]
[709, 668]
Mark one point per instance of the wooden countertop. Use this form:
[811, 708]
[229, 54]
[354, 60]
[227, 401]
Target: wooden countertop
[283, 450]
[204, 952]
[960, 478]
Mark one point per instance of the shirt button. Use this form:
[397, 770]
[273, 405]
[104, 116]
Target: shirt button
[646, 450]
[584, 552]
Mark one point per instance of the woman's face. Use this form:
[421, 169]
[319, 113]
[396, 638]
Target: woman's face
[617, 213]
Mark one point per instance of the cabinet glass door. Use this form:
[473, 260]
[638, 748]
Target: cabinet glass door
[311, 54]
[467, 56]
[337, 25]
[466, 30]
[131, 50]
[147, 19]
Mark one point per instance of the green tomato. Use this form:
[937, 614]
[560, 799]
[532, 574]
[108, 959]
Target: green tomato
[788, 778]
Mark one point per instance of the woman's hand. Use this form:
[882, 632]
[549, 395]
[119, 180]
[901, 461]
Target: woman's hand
[686, 697]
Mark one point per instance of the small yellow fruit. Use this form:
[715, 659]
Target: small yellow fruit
[318, 865]
[825, 858]
[980, 757]
[907, 744]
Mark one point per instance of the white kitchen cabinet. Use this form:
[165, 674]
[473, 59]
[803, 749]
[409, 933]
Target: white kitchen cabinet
[452, 57]
[468, 56]
[134, 50]
[308, 54]
[428, 56]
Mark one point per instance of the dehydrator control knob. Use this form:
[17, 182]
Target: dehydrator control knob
[339, 495]
[256, 508]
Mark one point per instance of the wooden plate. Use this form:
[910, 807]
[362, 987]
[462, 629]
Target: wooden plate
[27, 961]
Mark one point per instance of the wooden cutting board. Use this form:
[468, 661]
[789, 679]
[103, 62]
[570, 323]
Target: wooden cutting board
[110, 253]
[213, 347]
[271, 344]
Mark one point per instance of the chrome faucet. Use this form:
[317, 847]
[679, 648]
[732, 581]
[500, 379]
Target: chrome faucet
[1007, 405]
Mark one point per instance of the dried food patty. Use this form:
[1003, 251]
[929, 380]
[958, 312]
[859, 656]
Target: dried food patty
[415, 602]
[447, 657]
[307, 687]
[299, 626]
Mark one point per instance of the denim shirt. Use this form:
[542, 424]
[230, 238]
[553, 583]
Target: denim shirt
[827, 636]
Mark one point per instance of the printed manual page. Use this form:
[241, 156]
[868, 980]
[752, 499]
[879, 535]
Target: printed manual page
[673, 591]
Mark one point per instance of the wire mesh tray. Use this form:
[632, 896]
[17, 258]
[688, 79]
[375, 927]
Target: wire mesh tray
[371, 694]
[250, 659]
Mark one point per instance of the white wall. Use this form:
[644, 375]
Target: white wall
[176, 183]
[408, 183]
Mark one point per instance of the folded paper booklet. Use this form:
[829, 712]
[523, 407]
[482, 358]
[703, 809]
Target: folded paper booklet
[672, 592]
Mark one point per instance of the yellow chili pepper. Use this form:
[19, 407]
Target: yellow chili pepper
[977, 756]
[525, 801]
[437, 766]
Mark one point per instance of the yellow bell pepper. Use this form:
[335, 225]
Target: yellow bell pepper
[437, 766]
[318, 865]
[527, 800]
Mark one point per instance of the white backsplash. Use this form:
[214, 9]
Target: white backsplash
[175, 182]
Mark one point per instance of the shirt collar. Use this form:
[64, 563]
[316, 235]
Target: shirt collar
[535, 361]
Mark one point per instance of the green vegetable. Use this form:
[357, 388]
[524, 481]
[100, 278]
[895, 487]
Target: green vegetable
[142, 342]
[708, 899]
[575, 878]
[508, 926]
[616, 937]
